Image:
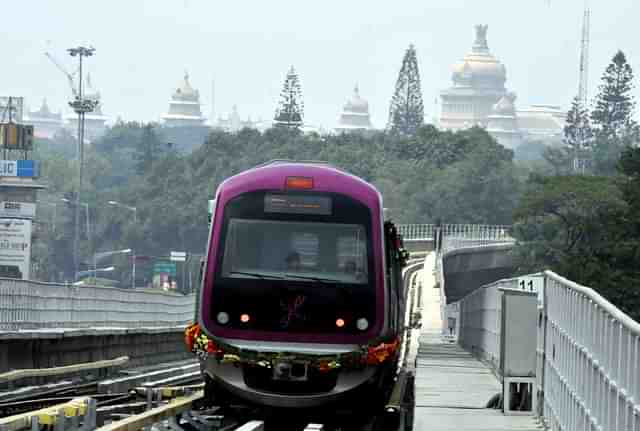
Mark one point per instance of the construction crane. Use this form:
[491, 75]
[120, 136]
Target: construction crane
[583, 87]
[70, 77]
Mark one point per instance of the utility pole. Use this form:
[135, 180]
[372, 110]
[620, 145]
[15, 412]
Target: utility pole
[81, 106]
[583, 88]
[579, 159]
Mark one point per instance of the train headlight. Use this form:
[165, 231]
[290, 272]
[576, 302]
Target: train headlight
[362, 324]
[223, 318]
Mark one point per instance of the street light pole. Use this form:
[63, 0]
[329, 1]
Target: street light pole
[80, 106]
[135, 223]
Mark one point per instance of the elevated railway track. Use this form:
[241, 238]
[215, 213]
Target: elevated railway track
[165, 400]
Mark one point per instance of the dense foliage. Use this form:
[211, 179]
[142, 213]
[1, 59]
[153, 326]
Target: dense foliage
[463, 177]
[586, 228]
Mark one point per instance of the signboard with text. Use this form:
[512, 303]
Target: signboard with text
[163, 273]
[17, 209]
[19, 168]
[15, 248]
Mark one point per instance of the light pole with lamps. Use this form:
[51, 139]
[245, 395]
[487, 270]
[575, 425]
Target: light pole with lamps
[135, 222]
[81, 106]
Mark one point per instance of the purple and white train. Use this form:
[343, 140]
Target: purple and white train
[301, 294]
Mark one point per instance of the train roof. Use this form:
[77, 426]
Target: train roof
[272, 176]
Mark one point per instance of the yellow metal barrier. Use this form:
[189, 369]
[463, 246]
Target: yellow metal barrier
[135, 423]
[46, 416]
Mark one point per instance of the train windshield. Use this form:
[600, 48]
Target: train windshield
[293, 250]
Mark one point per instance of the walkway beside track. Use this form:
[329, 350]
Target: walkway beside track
[452, 388]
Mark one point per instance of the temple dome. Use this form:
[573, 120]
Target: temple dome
[357, 103]
[355, 114]
[185, 91]
[479, 68]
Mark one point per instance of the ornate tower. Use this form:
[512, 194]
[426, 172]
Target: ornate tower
[355, 114]
[184, 107]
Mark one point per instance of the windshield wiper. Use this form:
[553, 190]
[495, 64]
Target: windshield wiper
[256, 274]
[318, 279]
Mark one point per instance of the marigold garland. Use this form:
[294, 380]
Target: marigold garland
[199, 344]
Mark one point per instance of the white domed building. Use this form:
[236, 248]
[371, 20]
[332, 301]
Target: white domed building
[355, 115]
[184, 107]
[479, 97]
[478, 84]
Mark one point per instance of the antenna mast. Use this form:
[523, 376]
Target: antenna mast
[583, 91]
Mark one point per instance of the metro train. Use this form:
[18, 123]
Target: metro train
[301, 302]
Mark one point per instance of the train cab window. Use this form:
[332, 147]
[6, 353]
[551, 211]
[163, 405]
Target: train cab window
[333, 252]
[305, 250]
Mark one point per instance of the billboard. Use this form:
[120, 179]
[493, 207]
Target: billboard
[17, 209]
[17, 110]
[15, 248]
[16, 136]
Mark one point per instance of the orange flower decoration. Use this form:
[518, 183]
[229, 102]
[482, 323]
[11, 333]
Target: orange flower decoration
[380, 353]
[190, 334]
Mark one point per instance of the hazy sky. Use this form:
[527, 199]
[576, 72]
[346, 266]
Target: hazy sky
[144, 46]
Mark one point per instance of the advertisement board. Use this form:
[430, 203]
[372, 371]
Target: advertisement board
[15, 248]
[17, 209]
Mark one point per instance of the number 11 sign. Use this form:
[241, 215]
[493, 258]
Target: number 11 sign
[532, 284]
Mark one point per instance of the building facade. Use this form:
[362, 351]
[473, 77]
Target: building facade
[45, 122]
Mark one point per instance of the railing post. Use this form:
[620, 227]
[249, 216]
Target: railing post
[542, 337]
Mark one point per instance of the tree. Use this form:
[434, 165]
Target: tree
[564, 223]
[612, 115]
[578, 135]
[559, 158]
[290, 111]
[406, 113]
[149, 149]
[577, 130]
[578, 226]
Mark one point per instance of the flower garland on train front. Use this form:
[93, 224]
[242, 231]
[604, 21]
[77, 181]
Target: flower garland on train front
[374, 353]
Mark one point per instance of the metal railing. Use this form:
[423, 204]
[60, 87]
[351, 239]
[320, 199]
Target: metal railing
[590, 360]
[588, 352]
[480, 321]
[468, 231]
[456, 237]
[416, 231]
[34, 305]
